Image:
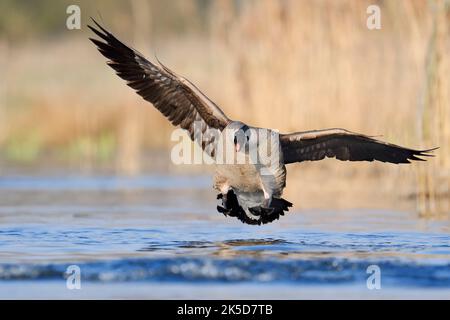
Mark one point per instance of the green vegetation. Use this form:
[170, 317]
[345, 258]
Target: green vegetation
[23, 148]
[289, 65]
[27, 20]
[100, 148]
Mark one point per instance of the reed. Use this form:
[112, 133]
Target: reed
[434, 179]
[290, 65]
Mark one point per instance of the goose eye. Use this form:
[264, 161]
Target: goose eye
[235, 140]
[248, 138]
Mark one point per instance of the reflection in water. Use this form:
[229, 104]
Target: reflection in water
[218, 245]
[283, 249]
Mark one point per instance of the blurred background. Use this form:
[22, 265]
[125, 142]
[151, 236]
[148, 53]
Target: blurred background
[86, 176]
[288, 65]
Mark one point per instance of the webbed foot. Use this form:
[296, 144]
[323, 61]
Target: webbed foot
[223, 210]
[261, 211]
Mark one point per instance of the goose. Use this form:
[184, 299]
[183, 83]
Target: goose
[250, 189]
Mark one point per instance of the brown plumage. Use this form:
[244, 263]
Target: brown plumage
[344, 145]
[246, 191]
[175, 97]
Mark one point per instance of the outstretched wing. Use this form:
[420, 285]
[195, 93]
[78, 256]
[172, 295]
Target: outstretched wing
[175, 97]
[343, 145]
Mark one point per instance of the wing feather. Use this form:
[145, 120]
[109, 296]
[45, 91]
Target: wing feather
[346, 146]
[175, 97]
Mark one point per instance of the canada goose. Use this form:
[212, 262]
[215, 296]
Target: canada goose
[248, 193]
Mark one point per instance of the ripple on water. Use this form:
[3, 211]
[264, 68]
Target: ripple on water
[133, 229]
[315, 271]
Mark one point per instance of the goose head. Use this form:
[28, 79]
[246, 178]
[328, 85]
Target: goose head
[240, 134]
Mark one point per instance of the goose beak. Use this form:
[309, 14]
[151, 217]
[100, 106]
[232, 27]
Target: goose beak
[237, 146]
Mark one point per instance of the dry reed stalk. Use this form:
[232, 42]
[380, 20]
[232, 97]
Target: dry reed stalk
[298, 65]
[291, 65]
[3, 90]
[434, 179]
[130, 132]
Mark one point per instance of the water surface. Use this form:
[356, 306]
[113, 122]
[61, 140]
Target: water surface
[159, 236]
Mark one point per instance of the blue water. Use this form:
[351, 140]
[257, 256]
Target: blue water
[164, 231]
